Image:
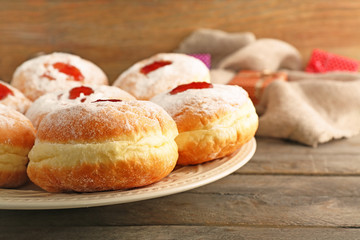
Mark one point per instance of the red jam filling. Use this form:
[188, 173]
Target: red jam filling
[193, 85]
[75, 92]
[5, 91]
[107, 100]
[153, 66]
[69, 70]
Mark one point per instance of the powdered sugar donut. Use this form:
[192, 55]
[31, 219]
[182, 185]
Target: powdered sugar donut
[77, 95]
[160, 73]
[103, 145]
[213, 120]
[13, 98]
[16, 139]
[52, 72]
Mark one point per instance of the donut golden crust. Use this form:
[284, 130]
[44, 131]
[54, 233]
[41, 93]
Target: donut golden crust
[13, 98]
[17, 137]
[53, 72]
[103, 146]
[161, 73]
[78, 95]
[212, 122]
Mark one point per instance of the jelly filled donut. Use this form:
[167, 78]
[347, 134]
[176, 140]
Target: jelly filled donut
[52, 72]
[161, 73]
[103, 145]
[213, 120]
[76, 95]
[13, 98]
[17, 137]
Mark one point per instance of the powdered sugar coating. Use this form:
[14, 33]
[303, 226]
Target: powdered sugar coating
[205, 102]
[107, 121]
[15, 128]
[30, 77]
[17, 101]
[183, 69]
[8, 118]
[61, 99]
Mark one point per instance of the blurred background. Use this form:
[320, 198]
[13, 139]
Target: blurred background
[116, 34]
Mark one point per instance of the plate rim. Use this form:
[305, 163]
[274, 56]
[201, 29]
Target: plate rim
[246, 152]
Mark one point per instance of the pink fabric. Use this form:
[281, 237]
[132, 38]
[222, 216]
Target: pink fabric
[204, 57]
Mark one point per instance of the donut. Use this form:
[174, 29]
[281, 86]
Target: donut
[103, 145]
[52, 72]
[13, 98]
[213, 120]
[17, 137]
[76, 95]
[160, 73]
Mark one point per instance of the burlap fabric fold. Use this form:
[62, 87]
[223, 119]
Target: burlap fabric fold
[215, 42]
[311, 109]
[308, 109]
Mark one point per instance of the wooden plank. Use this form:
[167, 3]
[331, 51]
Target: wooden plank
[237, 200]
[275, 156]
[178, 232]
[115, 34]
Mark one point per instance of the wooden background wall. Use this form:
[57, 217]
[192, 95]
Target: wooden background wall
[115, 34]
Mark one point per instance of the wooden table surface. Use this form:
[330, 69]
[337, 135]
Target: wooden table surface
[286, 191]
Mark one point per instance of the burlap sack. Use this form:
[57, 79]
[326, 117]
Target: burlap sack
[311, 110]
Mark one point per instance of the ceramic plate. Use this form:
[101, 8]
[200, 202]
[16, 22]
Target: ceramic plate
[180, 180]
